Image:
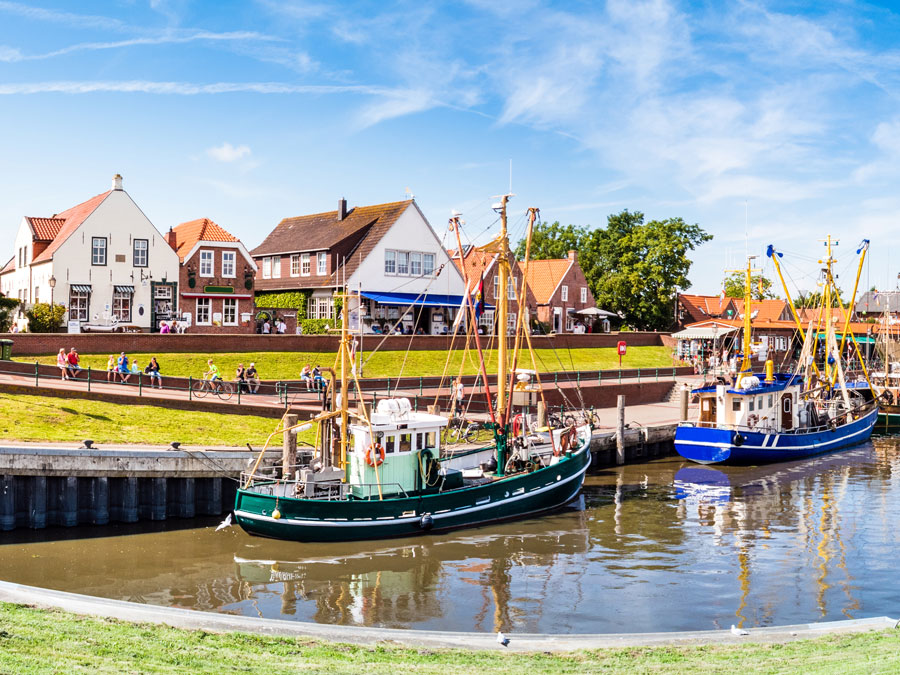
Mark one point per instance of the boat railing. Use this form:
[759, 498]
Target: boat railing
[326, 490]
[772, 429]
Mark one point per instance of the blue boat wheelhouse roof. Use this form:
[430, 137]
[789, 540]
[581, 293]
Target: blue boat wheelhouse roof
[782, 381]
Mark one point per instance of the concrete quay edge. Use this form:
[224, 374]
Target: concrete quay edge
[521, 642]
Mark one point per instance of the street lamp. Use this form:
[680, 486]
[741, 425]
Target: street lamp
[52, 282]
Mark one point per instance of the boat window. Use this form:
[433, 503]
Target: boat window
[751, 401]
[405, 444]
[389, 443]
[736, 405]
[430, 440]
[770, 400]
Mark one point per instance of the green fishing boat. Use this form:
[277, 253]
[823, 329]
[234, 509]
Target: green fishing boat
[386, 473]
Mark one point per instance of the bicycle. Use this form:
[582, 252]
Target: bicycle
[460, 429]
[224, 390]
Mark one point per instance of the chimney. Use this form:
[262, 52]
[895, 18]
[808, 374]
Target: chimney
[171, 239]
[342, 208]
[117, 182]
[573, 256]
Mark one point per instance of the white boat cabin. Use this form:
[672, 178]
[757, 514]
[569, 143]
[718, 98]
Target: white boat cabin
[394, 459]
[760, 405]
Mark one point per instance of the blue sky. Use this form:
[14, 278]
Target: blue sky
[783, 116]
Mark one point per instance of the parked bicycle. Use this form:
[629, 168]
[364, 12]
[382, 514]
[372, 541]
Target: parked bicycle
[224, 390]
[460, 429]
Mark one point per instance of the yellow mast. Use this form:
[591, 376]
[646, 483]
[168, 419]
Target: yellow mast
[826, 309]
[746, 364]
[502, 293]
[345, 366]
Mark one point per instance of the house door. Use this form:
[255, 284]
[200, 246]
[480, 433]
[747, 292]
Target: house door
[787, 412]
[557, 320]
[163, 308]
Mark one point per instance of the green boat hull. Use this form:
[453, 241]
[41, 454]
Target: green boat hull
[510, 498]
[888, 421]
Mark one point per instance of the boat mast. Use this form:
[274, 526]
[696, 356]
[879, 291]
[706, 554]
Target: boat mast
[746, 363]
[345, 365]
[502, 294]
[826, 300]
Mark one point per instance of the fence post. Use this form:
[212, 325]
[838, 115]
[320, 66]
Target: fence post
[89, 379]
[239, 387]
[420, 385]
[190, 387]
[140, 384]
[599, 377]
[620, 376]
[37, 376]
[657, 374]
[639, 375]
[389, 387]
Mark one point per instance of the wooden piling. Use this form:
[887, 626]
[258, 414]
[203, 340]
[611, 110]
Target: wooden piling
[620, 430]
[684, 395]
[289, 447]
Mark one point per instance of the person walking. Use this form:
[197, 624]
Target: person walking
[164, 327]
[152, 370]
[267, 327]
[252, 378]
[62, 363]
[459, 393]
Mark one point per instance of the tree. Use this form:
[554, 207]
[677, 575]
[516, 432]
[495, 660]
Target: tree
[760, 286]
[44, 317]
[7, 305]
[633, 268]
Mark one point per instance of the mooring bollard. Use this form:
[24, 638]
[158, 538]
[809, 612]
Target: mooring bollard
[620, 430]
[684, 403]
[289, 447]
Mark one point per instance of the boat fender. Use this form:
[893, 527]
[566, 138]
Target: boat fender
[276, 514]
[375, 455]
[426, 522]
[832, 424]
[737, 440]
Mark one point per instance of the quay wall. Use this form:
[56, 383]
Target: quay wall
[35, 344]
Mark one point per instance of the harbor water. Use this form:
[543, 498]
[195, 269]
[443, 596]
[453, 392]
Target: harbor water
[661, 546]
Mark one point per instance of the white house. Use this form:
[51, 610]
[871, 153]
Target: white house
[387, 253]
[102, 259]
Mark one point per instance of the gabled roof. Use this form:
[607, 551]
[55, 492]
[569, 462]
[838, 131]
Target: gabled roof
[544, 277]
[321, 231]
[873, 302]
[45, 229]
[381, 218]
[474, 263]
[764, 310]
[701, 307]
[72, 218]
[9, 266]
[203, 229]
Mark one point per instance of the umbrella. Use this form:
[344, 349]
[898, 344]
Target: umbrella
[593, 311]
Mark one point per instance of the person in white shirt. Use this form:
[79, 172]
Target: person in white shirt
[267, 327]
[282, 326]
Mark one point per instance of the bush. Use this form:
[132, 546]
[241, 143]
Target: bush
[44, 318]
[316, 326]
[7, 305]
[285, 300]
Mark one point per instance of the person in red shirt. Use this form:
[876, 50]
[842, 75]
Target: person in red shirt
[72, 359]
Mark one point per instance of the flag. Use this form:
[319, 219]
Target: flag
[460, 313]
[479, 298]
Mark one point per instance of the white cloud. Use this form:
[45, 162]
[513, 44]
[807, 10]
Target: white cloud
[228, 152]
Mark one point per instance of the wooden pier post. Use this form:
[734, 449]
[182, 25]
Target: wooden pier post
[620, 430]
[541, 415]
[289, 448]
[684, 395]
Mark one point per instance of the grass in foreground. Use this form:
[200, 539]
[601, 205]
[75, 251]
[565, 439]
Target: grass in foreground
[36, 641]
[287, 365]
[38, 418]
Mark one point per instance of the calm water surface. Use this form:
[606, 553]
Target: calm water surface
[655, 547]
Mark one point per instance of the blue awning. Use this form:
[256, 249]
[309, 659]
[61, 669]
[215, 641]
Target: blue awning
[420, 300]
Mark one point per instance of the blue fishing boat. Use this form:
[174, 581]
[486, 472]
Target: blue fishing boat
[777, 417]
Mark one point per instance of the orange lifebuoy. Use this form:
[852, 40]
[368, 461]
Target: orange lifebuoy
[375, 455]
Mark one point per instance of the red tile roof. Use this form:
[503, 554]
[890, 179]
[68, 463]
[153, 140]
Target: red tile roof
[72, 218]
[771, 310]
[544, 277]
[203, 229]
[9, 266]
[475, 263]
[45, 229]
[701, 307]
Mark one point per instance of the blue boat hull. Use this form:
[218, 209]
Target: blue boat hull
[709, 445]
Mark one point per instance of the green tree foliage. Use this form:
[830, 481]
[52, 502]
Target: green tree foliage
[7, 306]
[284, 300]
[44, 318]
[761, 287]
[316, 326]
[632, 267]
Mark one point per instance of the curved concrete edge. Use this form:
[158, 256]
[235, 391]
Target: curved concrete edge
[213, 622]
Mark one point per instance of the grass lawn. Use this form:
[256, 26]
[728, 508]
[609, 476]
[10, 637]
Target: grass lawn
[36, 641]
[287, 365]
[39, 418]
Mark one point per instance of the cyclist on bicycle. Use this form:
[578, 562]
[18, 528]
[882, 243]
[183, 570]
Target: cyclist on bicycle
[213, 373]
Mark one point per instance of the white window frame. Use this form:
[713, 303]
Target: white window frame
[276, 267]
[207, 263]
[98, 253]
[390, 261]
[295, 265]
[79, 305]
[136, 259]
[267, 268]
[428, 264]
[304, 265]
[321, 264]
[511, 288]
[510, 323]
[583, 294]
[229, 312]
[204, 311]
[487, 319]
[122, 305]
[229, 264]
[564, 293]
[496, 287]
[403, 263]
[415, 263]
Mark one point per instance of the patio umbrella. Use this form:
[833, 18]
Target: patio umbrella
[593, 311]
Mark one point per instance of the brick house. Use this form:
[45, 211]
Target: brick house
[215, 282]
[558, 290]
[386, 253]
[476, 265]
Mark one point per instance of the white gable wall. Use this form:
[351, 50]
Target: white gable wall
[20, 281]
[120, 220]
[410, 232]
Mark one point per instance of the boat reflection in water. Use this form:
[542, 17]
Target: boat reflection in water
[407, 583]
[744, 508]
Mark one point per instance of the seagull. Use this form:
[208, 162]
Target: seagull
[502, 639]
[738, 631]
[225, 523]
